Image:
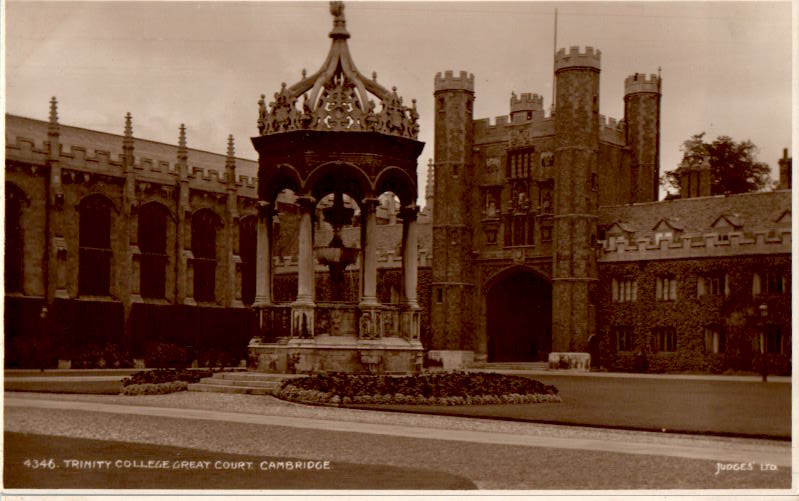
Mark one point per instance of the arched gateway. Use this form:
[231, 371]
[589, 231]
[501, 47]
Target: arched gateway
[519, 317]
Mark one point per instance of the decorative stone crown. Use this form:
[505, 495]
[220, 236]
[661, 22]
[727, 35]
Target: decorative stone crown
[337, 97]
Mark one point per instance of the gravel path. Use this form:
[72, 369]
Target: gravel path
[490, 466]
[270, 406]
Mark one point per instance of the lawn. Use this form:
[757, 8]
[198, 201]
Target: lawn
[706, 407]
[180, 474]
[717, 407]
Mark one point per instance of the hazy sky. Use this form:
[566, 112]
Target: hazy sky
[726, 66]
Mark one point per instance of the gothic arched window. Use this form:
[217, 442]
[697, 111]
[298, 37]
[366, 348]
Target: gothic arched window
[203, 246]
[94, 240]
[152, 243]
[247, 252]
[14, 241]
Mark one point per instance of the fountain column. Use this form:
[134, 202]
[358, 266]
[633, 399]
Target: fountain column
[411, 312]
[302, 310]
[369, 322]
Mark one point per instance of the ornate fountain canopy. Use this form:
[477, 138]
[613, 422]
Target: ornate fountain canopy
[338, 97]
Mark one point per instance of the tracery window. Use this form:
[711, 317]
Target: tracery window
[520, 163]
[94, 242]
[14, 240]
[203, 246]
[519, 229]
[247, 252]
[152, 243]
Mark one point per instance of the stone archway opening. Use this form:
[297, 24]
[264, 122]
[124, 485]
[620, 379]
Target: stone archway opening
[519, 318]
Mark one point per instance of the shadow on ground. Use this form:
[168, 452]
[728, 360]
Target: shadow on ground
[27, 465]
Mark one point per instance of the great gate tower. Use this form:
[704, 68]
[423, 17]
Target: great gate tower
[574, 268]
[453, 275]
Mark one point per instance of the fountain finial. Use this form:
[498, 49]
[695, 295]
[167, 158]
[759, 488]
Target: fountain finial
[339, 23]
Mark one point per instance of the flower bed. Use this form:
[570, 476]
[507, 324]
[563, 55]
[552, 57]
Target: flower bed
[161, 381]
[154, 389]
[448, 388]
[165, 375]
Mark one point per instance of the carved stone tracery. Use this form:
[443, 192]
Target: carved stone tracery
[336, 98]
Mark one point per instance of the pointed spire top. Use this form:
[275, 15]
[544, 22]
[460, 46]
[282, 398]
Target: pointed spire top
[339, 23]
[52, 127]
[182, 152]
[128, 125]
[53, 110]
[127, 140]
[430, 177]
[230, 149]
[230, 161]
[429, 188]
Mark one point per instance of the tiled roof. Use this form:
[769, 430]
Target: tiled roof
[695, 216]
[92, 140]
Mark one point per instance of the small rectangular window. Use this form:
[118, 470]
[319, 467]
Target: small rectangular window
[624, 338]
[624, 290]
[774, 341]
[666, 339]
[439, 296]
[666, 288]
[776, 282]
[714, 284]
[714, 339]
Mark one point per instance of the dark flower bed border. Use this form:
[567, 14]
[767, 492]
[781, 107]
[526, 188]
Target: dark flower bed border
[441, 388]
[154, 389]
[159, 376]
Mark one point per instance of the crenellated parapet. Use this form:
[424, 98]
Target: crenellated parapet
[503, 128]
[611, 130]
[706, 245]
[33, 149]
[448, 81]
[574, 58]
[487, 132]
[640, 83]
[27, 150]
[526, 102]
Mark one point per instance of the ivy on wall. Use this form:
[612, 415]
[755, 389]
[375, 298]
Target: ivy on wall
[734, 312]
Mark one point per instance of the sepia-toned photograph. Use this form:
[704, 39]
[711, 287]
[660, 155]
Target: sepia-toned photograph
[407, 248]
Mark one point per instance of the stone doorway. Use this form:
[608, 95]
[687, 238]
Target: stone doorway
[519, 318]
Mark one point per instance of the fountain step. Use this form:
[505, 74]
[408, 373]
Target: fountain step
[215, 388]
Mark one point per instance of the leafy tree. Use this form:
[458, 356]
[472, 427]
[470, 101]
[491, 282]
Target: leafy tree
[733, 166]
